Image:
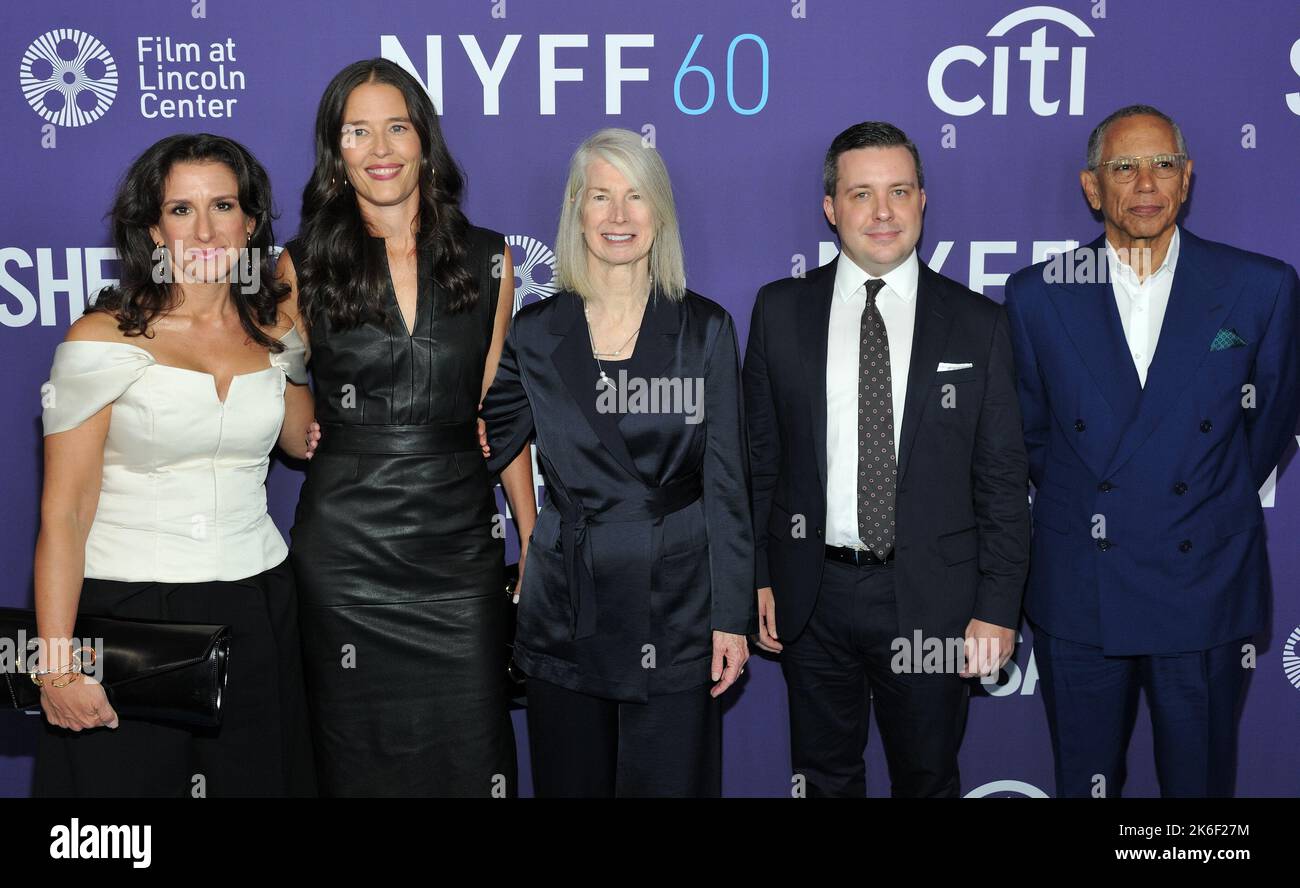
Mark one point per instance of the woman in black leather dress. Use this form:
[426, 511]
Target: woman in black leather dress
[401, 575]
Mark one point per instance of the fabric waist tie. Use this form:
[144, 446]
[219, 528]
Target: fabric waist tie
[579, 566]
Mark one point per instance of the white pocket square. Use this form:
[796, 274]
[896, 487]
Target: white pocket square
[943, 366]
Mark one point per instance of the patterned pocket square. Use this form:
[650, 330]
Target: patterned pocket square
[1226, 339]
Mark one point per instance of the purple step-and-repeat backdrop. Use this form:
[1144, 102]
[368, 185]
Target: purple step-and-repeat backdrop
[742, 98]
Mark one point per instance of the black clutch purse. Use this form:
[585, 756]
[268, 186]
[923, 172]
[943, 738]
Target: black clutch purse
[172, 672]
[514, 677]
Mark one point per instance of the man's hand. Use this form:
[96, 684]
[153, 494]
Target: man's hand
[988, 647]
[766, 638]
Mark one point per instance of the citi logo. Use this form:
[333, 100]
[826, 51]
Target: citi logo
[68, 77]
[534, 269]
[1038, 54]
[90, 842]
[1290, 659]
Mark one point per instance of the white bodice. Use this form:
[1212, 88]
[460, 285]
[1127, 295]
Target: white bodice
[183, 496]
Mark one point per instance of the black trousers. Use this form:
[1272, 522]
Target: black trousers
[839, 667]
[263, 746]
[588, 747]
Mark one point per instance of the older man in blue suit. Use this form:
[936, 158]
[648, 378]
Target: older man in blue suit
[1159, 382]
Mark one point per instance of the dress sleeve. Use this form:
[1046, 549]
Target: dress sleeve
[86, 377]
[293, 360]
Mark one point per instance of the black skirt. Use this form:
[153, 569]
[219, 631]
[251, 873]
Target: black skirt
[263, 746]
[403, 626]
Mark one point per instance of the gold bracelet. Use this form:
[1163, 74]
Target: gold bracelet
[73, 676]
[72, 670]
[35, 675]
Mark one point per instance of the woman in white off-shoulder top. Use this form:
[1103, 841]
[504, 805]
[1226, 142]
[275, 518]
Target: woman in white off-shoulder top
[162, 408]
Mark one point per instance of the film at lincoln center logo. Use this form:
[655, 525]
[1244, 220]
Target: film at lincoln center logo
[68, 77]
[1291, 659]
[534, 269]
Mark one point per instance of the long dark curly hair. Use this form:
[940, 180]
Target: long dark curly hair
[345, 272]
[138, 299]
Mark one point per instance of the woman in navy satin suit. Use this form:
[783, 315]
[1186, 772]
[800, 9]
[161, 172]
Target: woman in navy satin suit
[639, 592]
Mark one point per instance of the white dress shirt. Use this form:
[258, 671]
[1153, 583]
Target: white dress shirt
[182, 497]
[896, 301]
[1142, 304]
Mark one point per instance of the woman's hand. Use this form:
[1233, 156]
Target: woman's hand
[523, 556]
[79, 706]
[482, 438]
[733, 650]
[312, 438]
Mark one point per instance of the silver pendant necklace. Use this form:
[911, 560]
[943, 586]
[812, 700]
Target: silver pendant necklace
[604, 379]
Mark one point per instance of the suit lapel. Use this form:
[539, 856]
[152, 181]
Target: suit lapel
[929, 339]
[572, 359]
[1091, 320]
[655, 356]
[656, 345]
[1198, 305]
[814, 328]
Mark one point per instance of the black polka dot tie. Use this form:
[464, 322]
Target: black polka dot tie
[877, 462]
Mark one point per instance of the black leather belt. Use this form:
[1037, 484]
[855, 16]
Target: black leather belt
[856, 557]
[399, 439]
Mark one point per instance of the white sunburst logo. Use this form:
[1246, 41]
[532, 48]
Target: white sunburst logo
[1290, 659]
[1013, 788]
[68, 77]
[534, 268]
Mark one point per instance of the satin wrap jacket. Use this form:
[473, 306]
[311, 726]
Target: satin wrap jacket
[644, 544]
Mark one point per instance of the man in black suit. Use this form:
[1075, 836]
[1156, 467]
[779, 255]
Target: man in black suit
[890, 484]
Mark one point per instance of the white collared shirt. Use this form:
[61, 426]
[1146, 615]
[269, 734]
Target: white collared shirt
[1142, 304]
[896, 301]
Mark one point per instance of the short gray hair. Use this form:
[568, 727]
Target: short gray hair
[1099, 133]
[638, 161]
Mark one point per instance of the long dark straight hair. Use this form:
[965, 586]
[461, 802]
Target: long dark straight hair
[138, 299]
[344, 273]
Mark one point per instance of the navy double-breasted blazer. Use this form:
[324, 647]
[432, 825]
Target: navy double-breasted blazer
[644, 544]
[1148, 533]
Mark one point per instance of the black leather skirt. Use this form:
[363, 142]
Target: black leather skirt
[403, 630]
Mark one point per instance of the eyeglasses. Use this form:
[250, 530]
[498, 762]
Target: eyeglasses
[1163, 166]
